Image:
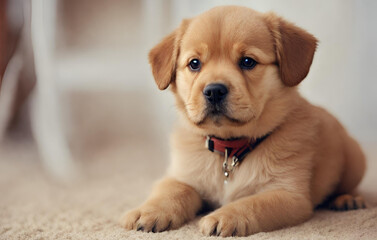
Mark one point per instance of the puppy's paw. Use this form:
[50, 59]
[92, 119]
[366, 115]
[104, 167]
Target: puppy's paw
[347, 202]
[224, 224]
[151, 219]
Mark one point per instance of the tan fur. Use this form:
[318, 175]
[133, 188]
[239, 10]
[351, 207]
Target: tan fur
[307, 158]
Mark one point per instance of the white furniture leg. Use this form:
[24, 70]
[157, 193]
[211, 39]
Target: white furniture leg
[45, 107]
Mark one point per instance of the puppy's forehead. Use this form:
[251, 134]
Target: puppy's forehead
[224, 28]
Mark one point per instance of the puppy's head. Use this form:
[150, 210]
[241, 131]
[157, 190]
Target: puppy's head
[231, 67]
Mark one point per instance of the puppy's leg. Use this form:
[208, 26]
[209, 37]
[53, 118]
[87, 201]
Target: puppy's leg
[261, 212]
[171, 204]
[354, 167]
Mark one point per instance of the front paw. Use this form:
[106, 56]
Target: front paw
[151, 219]
[224, 224]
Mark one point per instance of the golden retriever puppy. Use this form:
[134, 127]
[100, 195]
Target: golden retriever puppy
[246, 143]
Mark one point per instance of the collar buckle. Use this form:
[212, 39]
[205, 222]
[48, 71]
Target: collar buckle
[235, 161]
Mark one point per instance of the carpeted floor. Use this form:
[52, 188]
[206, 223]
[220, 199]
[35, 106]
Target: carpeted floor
[34, 206]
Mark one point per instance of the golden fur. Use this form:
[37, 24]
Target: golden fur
[308, 158]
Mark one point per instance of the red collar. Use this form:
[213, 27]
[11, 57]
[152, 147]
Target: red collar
[237, 148]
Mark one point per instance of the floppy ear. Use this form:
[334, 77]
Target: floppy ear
[163, 57]
[295, 49]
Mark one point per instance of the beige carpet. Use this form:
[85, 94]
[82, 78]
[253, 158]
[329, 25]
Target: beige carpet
[117, 178]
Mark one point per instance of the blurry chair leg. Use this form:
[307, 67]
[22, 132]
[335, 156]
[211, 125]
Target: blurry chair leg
[45, 108]
[8, 91]
[10, 65]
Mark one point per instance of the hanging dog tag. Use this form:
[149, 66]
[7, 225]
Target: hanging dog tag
[225, 166]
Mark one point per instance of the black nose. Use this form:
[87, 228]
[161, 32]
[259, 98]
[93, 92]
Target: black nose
[215, 93]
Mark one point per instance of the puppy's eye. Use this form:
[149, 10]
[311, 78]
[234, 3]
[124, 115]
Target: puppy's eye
[195, 65]
[247, 63]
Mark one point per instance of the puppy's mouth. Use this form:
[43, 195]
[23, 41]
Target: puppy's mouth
[217, 114]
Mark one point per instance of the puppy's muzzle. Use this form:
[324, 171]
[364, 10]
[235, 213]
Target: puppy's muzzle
[215, 93]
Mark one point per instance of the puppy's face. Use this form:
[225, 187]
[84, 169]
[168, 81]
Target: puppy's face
[226, 68]
[225, 65]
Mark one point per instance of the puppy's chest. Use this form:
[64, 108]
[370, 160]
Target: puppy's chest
[203, 170]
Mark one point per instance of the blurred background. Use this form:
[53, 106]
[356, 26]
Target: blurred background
[78, 103]
[78, 79]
